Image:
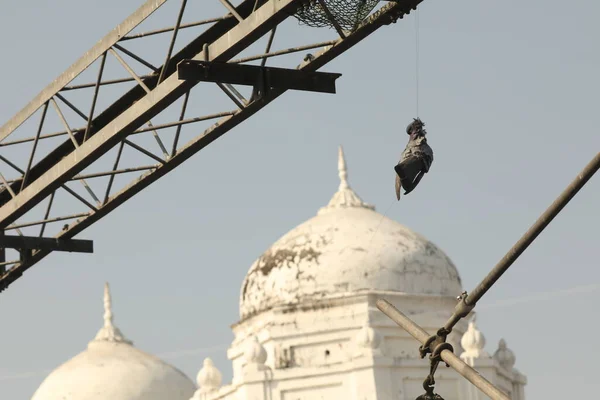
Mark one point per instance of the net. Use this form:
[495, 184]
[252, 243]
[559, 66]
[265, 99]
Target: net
[348, 14]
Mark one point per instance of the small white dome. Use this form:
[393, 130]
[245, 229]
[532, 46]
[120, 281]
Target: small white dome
[255, 352]
[347, 247]
[209, 378]
[111, 368]
[505, 356]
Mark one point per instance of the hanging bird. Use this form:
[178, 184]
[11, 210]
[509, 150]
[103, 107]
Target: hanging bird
[416, 159]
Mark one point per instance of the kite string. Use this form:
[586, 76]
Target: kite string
[417, 60]
[377, 230]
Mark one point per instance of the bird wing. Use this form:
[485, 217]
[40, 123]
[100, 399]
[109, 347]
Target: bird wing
[416, 181]
[427, 156]
[398, 187]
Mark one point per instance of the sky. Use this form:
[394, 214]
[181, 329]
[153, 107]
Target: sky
[510, 95]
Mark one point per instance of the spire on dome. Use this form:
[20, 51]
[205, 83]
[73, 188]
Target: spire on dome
[342, 170]
[473, 342]
[345, 197]
[109, 332]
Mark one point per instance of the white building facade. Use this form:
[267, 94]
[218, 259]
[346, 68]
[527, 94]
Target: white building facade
[309, 328]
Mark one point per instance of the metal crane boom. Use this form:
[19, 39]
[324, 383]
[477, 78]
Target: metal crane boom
[115, 127]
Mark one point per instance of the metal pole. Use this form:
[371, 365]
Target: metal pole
[35, 143]
[72, 106]
[136, 57]
[179, 126]
[78, 130]
[115, 172]
[332, 19]
[2, 256]
[103, 83]
[45, 221]
[232, 10]
[172, 43]
[467, 304]
[182, 26]
[95, 98]
[449, 357]
[283, 52]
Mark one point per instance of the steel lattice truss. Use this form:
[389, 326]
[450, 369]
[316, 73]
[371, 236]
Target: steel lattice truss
[120, 118]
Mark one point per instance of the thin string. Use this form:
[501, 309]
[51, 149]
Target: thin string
[381, 220]
[377, 229]
[417, 60]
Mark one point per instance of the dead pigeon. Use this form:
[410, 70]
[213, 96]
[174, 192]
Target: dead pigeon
[416, 159]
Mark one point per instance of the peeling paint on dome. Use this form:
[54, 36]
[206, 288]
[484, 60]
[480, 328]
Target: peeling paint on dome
[285, 257]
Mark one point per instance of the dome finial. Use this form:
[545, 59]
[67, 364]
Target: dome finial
[255, 355]
[345, 197]
[504, 355]
[342, 171]
[108, 315]
[473, 342]
[109, 332]
[209, 377]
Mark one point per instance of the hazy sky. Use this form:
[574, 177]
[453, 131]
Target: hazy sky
[510, 94]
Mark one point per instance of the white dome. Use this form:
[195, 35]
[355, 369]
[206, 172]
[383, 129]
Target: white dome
[505, 356]
[111, 368]
[347, 247]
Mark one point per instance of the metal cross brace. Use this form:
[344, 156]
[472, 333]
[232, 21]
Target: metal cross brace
[46, 243]
[433, 344]
[254, 75]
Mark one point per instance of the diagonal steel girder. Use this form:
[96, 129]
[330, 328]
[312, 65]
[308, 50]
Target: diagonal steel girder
[237, 39]
[80, 65]
[386, 15]
[220, 28]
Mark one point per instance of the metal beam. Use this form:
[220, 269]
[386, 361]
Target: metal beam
[448, 356]
[2, 255]
[290, 50]
[47, 220]
[173, 39]
[232, 9]
[223, 49]
[44, 243]
[75, 131]
[211, 34]
[386, 15]
[182, 26]
[469, 301]
[80, 65]
[252, 75]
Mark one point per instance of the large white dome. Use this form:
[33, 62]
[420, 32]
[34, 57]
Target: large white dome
[111, 368]
[348, 247]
